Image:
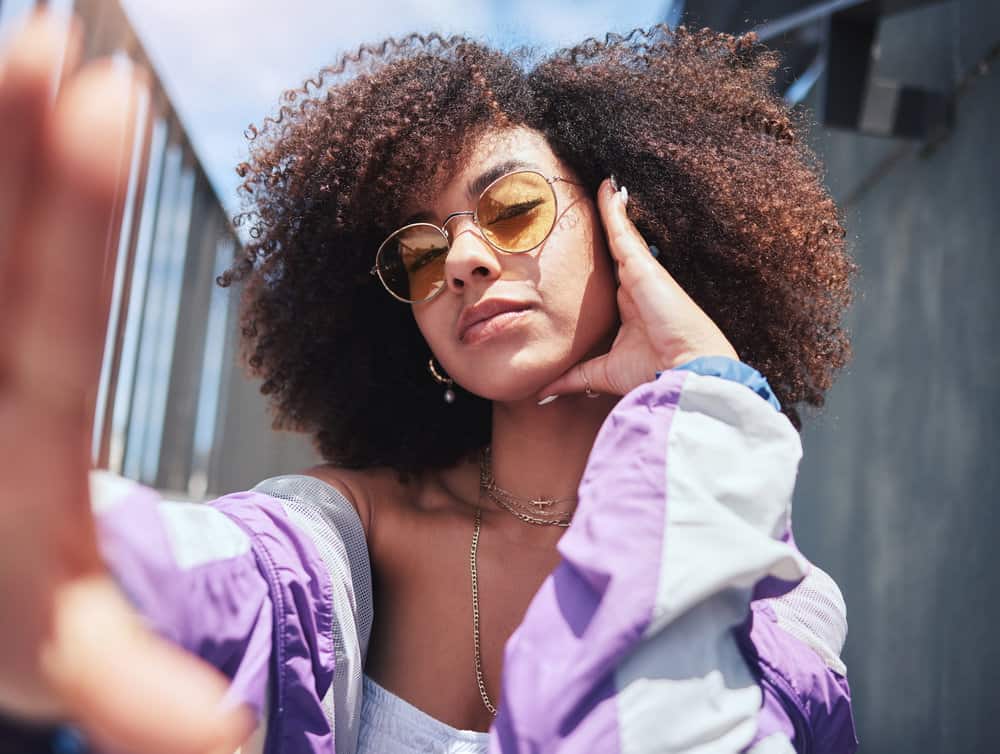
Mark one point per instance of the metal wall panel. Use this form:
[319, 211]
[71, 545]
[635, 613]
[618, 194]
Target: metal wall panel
[896, 491]
[170, 383]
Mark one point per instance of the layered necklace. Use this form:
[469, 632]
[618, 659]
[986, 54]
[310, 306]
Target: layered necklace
[539, 512]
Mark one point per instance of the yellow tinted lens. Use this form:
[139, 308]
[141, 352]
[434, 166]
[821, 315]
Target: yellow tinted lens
[517, 212]
[411, 262]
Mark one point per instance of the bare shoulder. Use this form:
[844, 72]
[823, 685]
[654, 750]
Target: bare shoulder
[362, 487]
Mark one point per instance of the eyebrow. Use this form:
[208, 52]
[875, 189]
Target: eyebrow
[479, 184]
[476, 187]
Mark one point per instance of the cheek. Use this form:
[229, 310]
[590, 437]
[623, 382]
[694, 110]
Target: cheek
[432, 321]
[580, 277]
[573, 275]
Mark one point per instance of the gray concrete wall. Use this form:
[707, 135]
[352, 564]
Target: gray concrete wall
[898, 489]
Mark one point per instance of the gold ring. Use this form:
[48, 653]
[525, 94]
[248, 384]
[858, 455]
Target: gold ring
[587, 389]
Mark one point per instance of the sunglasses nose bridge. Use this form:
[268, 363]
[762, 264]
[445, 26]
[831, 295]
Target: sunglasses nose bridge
[452, 216]
[468, 259]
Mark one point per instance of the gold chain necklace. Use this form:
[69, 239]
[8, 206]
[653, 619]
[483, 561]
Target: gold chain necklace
[501, 497]
[535, 511]
[480, 676]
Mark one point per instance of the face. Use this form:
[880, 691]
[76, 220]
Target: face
[556, 303]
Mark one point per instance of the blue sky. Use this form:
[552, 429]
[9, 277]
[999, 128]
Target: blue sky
[226, 62]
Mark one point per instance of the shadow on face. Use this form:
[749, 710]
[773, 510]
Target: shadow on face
[506, 324]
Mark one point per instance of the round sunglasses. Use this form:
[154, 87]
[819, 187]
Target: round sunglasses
[514, 214]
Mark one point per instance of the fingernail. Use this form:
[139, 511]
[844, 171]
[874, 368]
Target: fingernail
[624, 193]
[614, 182]
[654, 251]
[547, 399]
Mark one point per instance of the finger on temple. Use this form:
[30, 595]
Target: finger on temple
[69, 232]
[29, 64]
[627, 246]
[130, 690]
[638, 270]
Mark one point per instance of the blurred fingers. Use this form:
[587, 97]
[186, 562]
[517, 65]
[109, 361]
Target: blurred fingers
[29, 67]
[69, 231]
[130, 690]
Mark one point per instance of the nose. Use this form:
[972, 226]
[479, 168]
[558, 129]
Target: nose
[470, 257]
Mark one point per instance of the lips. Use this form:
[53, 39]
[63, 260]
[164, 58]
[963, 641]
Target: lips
[485, 310]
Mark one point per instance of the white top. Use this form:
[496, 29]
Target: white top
[368, 719]
[391, 725]
[365, 717]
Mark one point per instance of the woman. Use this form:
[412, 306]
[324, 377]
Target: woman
[447, 291]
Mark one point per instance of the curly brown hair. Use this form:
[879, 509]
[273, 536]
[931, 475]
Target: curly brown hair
[718, 175]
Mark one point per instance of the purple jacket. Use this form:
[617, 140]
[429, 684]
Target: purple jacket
[681, 618]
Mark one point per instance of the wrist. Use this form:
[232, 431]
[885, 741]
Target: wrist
[730, 368]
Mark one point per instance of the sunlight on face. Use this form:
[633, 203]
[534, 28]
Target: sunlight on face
[559, 297]
[516, 212]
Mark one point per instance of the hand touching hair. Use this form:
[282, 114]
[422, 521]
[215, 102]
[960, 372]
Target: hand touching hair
[719, 178]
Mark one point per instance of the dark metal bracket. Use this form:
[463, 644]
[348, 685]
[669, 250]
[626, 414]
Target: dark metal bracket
[854, 99]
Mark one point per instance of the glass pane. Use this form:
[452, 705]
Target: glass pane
[119, 297]
[136, 297]
[150, 319]
[172, 279]
[213, 375]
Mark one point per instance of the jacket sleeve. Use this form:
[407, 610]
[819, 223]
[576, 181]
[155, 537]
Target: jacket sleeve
[654, 633]
[261, 584]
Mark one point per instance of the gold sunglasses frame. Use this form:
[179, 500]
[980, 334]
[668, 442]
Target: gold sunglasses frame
[443, 229]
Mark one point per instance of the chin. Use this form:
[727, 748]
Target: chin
[509, 377]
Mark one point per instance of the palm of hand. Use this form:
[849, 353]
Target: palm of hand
[632, 357]
[74, 648]
[661, 326]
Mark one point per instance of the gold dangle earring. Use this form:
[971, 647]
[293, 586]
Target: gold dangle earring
[449, 394]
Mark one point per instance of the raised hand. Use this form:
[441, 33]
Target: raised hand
[661, 326]
[71, 647]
